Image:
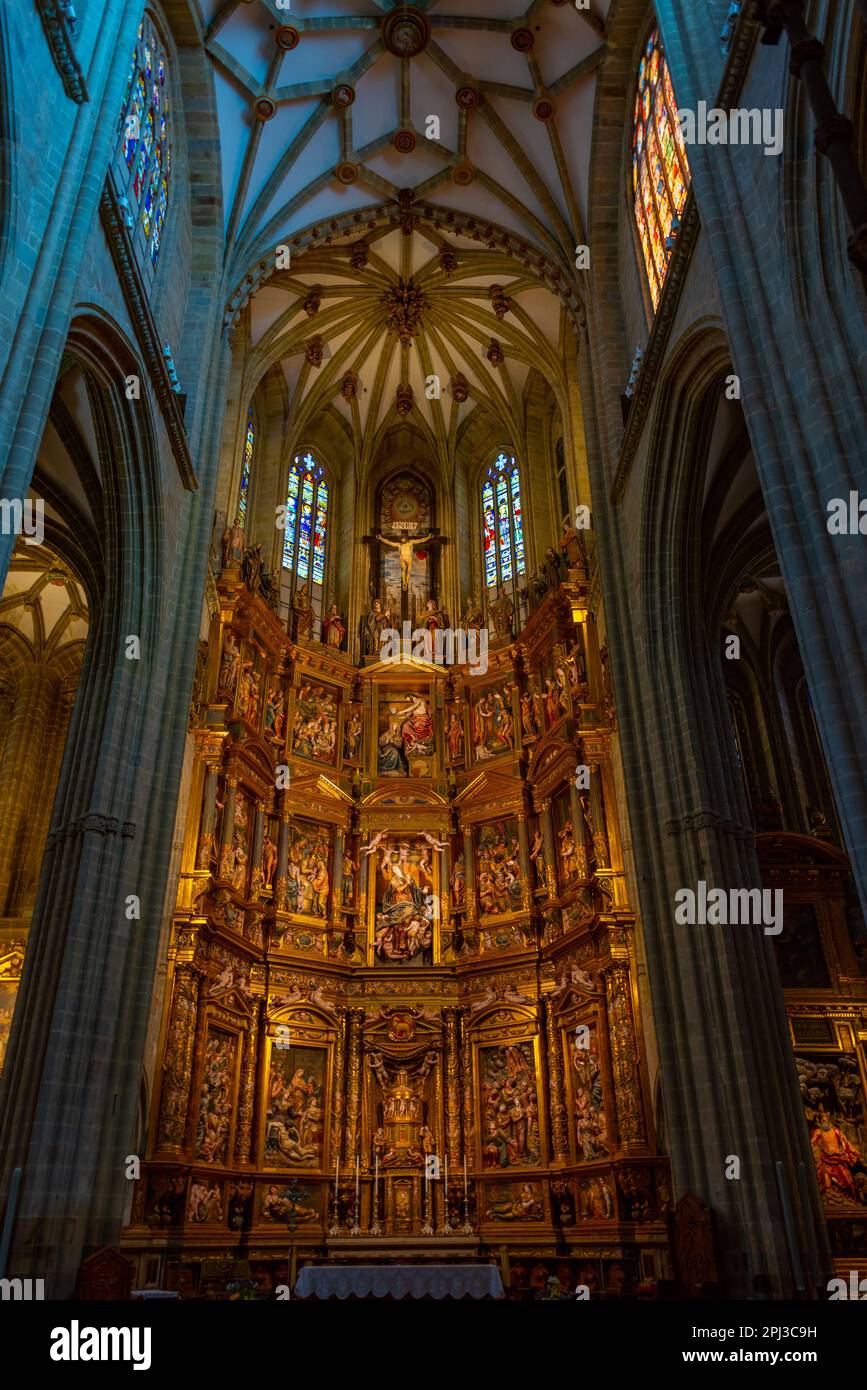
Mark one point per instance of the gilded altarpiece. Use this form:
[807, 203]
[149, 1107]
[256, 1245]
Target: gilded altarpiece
[401, 1015]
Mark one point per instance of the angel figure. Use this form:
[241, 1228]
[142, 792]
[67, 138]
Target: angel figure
[433, 841]
[375, 842]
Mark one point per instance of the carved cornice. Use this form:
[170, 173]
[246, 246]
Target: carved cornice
[136, 299]
[710, 820]
[59, 35]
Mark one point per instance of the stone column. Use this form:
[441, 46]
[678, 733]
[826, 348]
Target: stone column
[352, 1132]
[550, 851]
[258, 837]
[337, 876]
[452, 1089]
[526, 866]
[209, 818]
[228, 827]
[247, 1093]
[556, 1088]
[469, 876]
[280, 876]
[578, 828]
[624, 1059]
[179, 1052]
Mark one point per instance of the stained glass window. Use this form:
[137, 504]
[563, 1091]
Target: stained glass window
[244, 490]
[660, 171]
[142, 166]
[503, 522]
[304, 535]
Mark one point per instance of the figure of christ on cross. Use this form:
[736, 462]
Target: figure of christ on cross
[404, 550]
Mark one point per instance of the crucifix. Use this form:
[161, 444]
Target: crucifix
[404, 544]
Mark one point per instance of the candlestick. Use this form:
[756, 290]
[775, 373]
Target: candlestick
[334, 1228]
[446, 1228]
[376, 1227]
[355, 1229]
[468, 1225]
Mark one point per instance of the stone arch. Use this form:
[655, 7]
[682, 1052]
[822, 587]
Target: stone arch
[79, 1024]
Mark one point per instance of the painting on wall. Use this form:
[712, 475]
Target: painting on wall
[515, 1201]
[294, 1111]
[315, 724]
[498, 869]
[833, 1097]
[493, 722]
[290, 1206]
[216, 1095]
[205, 1203]
[405, 902]
[308, 877]
[406, 743]
[510, 1106]
[588, 1105]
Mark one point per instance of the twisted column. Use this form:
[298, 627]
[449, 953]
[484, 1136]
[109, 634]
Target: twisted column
[624, 1058]
[352, 1132]
[451, 1024]
[247, 1093]
[179, 1052]
[556, 1089]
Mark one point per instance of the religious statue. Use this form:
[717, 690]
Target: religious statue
[248, 693]
[269, 588]
[570, 858]
[252, 566]
[381, 1148]
[333, 629]
[553, 568]
[502, 612]
[528, 719]
[233, 544]
[229, 663]
[456, 737]
[458, 882]
[378, 618]
[537, 859]
[404, 549]
[473, 619]
[239, 871]
[352, 736]
[275, 711]
[349, 870]
[434, 617]
[404, 927]
[572, 547]
[302, 612]
[834, 1156]
[269, 860]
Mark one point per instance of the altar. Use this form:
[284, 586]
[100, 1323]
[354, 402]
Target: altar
[440, 1281]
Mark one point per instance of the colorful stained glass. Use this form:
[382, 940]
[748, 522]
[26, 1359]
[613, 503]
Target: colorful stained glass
[503, 522]
[145, 150]
[660, 171]
[291, 520]
[517, 522]
[305, 532]
[244, 490]
[488, 524]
